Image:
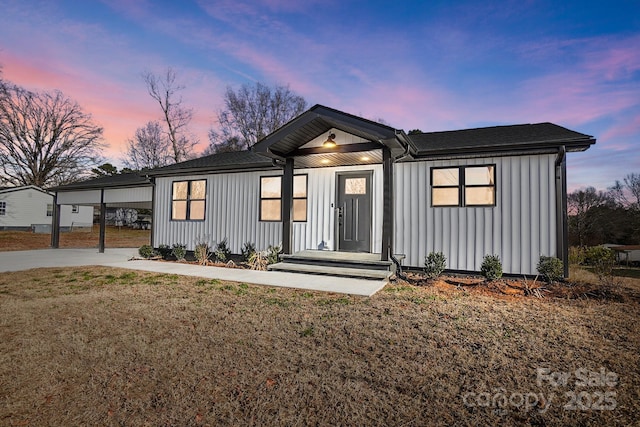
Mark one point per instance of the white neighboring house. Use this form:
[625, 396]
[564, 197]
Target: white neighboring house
[31, 207]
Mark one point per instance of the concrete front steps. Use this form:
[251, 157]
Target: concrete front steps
[341, 264]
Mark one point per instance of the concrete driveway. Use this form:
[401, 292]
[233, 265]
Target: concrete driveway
[26, 260]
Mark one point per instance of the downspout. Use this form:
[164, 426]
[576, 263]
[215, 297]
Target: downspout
[403, 138]
[562, 237]
[153, 208]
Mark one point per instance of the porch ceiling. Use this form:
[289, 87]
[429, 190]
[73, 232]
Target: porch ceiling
[322, 160]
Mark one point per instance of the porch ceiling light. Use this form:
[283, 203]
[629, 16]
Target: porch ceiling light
[330, 143]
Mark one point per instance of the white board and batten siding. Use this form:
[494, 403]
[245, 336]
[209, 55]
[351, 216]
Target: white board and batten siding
[232, 211]
[520, 228]
[29, 206]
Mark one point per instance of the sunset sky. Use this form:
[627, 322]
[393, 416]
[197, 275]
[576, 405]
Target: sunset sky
[432, 65]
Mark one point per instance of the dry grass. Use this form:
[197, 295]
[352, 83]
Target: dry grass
[115, 238]
[100, 346]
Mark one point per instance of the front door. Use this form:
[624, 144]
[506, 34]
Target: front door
[354, 211]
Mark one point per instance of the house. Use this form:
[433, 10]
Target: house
[30, 207]
[363, 190]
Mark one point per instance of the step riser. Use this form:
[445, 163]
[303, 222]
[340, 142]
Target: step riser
[331, 271]
[343, 264]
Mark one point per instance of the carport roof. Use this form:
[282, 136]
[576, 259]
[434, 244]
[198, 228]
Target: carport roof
[133, 179]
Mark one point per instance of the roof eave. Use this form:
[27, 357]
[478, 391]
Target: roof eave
[214, 170]
[573, 145]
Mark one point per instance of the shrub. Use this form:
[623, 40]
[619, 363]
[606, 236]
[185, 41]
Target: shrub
[491, 267]
[202, 253]
[222, 251]
[434, 264]
[602, 259]
[146, 251]
[164, 251]
[248, 249]
[258, 261]
[273, 253]
[576, 255]
[179, 251]
[551, 268]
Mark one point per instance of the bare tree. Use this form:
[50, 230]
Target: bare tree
[166, 91]
[252, 113]
[149, 148]
[584, 213]
[45, 138]
[627, 192]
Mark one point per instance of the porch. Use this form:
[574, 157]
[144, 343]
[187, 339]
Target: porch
[335, 263]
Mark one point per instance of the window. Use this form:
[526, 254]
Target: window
[271, 198]
[75, 209]
[3, 208]
[49, 209]
[463, 186]
[188, 200]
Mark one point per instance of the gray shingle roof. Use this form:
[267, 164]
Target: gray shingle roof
[122, 180]
[235, 160]
[500, 138]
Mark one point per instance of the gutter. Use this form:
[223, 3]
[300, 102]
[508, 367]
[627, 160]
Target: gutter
[403, 137]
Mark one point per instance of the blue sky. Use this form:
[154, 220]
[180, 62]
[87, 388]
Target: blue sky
[439, 65]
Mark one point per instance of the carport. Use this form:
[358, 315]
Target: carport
[118, 191]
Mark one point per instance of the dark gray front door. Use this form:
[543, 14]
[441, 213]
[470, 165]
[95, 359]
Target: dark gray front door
[354, 212]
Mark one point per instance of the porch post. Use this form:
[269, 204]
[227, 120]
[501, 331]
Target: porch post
[55, 223]
[287, 207]
[103, 222]
[387, 204]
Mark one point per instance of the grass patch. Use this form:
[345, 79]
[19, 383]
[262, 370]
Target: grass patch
[93, 352]
[115, 237]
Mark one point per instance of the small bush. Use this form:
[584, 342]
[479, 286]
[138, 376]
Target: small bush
[222, 251]
[146, 251]
[258, 261]
[248, 249]
[164, 251]
[576, 255]
[273, 253]
[179, 251]
[491, 267]
[202, 253]
[551, 268]
[434, 264]
[602, 259]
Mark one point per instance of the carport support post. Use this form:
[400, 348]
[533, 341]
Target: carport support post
[55, 223]
[287, 207]
[103, 222]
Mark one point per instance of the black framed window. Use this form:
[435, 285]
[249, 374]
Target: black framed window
[188, 200]
[49, 209]
[271, 198]
[463, 186]
[3, 208]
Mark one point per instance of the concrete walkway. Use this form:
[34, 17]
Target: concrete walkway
[25, 260]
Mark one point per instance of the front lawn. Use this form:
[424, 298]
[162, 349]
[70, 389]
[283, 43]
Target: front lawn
[102, 346]
[115, 237]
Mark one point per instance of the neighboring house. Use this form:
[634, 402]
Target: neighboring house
[24, 208]
[332, 180]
